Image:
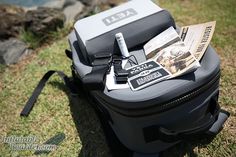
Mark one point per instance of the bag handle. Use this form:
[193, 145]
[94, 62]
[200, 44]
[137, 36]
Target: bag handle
[185, 134]
[168, 135]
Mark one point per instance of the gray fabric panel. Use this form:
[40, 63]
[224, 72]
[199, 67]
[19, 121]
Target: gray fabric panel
[135, 33]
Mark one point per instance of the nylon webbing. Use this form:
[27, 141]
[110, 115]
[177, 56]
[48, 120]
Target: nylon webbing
[30, 103]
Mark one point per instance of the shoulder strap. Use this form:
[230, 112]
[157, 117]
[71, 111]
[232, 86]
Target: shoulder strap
[30, 104]
[95, 80]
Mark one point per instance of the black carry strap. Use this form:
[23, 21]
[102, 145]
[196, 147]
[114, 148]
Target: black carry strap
[30, 104]
[69, 54]
[158, 132]
[95, 80]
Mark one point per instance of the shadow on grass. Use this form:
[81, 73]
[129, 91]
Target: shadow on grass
[98, 140]
[186, 148]
[2, 68]
[87, 124]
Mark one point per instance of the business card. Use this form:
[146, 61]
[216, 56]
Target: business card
[146, 74]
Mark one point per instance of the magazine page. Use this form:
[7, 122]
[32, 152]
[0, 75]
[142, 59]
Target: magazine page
[198, 37]
[164, 39]
[177, 59]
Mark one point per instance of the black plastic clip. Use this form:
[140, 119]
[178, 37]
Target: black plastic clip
[102, 59]
[120, 73]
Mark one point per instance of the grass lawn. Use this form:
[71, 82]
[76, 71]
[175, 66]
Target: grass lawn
[52, 115]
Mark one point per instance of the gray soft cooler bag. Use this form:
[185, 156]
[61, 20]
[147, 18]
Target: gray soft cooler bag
[153, 119]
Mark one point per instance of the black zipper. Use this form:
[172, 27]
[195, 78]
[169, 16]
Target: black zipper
[192, 94]
[163, 106]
